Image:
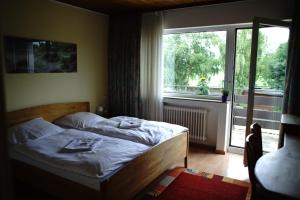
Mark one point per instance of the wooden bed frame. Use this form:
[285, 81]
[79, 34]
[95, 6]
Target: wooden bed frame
[125, 184]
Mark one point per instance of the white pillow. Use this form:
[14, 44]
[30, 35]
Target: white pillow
[31, 130]
[79, 120]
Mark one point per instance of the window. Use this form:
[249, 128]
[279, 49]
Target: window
[194, 64]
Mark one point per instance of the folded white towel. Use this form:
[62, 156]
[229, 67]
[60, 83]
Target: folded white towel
[80, 144]
[127, 124]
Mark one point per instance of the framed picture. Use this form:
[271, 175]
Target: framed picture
[23, 55]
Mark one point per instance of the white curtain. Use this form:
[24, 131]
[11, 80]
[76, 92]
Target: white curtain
[151, 66]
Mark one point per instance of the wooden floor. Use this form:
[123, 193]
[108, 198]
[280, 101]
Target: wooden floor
[230, 165]
[206, 160]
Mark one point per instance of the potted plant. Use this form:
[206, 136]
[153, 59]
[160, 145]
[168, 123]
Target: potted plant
[225, 93]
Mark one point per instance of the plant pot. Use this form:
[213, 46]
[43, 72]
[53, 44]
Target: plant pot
[224, 99]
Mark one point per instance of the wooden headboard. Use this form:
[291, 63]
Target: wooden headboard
[49, 112]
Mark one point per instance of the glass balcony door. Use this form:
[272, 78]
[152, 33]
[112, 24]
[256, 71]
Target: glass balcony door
[260, 63]
[267, 78]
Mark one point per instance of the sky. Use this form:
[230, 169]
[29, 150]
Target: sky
[275, 36]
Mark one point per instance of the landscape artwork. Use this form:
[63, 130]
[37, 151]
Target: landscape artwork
[23, 55]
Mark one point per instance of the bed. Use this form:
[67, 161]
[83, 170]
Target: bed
[124, 184]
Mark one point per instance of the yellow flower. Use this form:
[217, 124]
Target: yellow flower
[202, 78]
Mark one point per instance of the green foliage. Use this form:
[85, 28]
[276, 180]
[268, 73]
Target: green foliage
[190, 56]
[276, 67]
[242, 63]
[243, 54]
[200, 56]
[270, 71]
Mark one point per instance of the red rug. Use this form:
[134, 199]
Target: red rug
[186, 184]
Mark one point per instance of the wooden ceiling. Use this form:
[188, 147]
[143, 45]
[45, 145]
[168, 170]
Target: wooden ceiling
[129, 6]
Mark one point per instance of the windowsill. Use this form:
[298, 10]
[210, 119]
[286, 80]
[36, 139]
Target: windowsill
[193, 99]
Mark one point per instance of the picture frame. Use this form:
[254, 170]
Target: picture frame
[25, 55]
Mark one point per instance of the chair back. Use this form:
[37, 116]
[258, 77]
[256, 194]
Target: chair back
[254, 151]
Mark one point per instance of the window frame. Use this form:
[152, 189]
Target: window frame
[229, 56]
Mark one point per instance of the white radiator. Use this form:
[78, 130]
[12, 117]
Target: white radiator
[192, 118]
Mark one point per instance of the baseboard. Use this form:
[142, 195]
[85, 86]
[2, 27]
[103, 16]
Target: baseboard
[208, 147]
[202, 146]
[220, 152]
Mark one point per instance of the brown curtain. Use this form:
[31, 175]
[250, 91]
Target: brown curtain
[6, 191]
[292, 86]
[124, 65]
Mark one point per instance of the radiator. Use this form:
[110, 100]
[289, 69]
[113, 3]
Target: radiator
[192, 118]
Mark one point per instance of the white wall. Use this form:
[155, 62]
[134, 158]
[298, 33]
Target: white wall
[229, 13]
[54, 21]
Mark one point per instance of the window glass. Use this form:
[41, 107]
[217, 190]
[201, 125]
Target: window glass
[194, 63]
[269, 84]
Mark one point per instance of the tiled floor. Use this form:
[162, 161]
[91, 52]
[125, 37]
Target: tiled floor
[269, 137]
[230, 165]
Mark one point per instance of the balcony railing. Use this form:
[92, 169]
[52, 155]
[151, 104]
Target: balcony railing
[267, 110]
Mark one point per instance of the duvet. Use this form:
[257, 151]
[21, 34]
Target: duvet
[105, 158]
[136, 130]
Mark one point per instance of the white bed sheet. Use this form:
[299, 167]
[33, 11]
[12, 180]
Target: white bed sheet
[87, 168]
